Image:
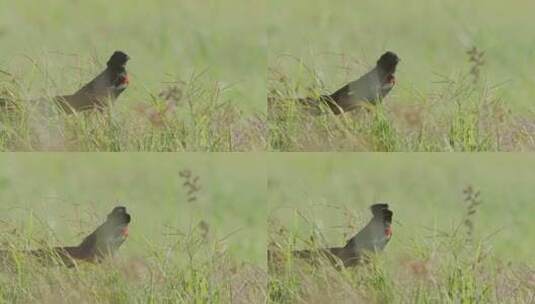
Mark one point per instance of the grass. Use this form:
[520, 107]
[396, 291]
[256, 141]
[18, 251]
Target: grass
[449, 270]
[197, 235]
[195, 81]
[459, 88]
[458, 118]
[461, 227]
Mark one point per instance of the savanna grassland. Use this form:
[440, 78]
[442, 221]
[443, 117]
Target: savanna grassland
[197, 235]
[197, 74]
[462, 226]
[465, 81]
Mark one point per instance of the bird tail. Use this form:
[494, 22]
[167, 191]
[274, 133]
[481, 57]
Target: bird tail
[315, 256]
[316, 106]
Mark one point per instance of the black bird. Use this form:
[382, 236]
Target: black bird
[372, 87]
[104, 88]
[103, 242]
[371, 239]
[98, 93]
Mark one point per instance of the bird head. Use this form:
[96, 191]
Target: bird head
[118, 221]
[388, 62]
[118, 60]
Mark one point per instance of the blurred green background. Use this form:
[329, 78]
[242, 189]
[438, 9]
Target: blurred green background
[72, 193]
[56, 45]
[425, 192]
[342, 39]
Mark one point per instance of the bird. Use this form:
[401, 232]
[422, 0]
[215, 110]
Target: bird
[95, 248]
[372, 238]
[105, 88]
[370, 88]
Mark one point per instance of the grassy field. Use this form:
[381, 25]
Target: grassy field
[443, 101]
[202, 247]
[212, 59]
[438, 253]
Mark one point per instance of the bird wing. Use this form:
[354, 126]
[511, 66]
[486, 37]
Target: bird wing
[355, 93]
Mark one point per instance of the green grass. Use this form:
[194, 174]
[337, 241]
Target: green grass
[438, 253]
[215, 58]
[55, 199]
[434, 255]
[315, 47]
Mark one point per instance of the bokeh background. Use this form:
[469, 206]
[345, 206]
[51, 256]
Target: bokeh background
[55, 46]
[59, 197]
[331, 193]
[339, 40]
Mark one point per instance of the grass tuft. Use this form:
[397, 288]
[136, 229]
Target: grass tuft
[459, 114]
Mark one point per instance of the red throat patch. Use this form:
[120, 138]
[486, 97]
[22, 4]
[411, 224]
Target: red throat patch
[124, 232]
[388, 231]
[125, 80]
[391, 79]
